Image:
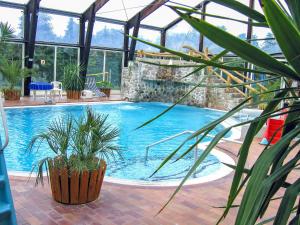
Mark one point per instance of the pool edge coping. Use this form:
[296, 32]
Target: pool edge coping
[216, 175]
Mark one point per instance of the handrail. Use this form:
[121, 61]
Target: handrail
[4, 121]
[225, 81]
[170, 138]
[165, 140]
[180, 134]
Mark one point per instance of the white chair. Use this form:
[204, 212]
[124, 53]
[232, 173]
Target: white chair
[57, 87]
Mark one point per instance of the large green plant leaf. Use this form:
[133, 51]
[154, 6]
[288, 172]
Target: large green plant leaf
[294, 7]
[254, 128]
[240, 47]
[290, 124]
[6, 32]
[287, 203]
[286, 33]
[254, 193]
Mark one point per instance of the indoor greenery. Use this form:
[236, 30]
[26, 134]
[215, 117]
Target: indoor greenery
[6, 33]
[13, 72]
[10, 68]
[272, 85]
[72, 81]
[261, 184]
[78, 144]
[104, 84]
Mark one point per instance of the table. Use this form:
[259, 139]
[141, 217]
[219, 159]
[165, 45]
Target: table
[40, 86]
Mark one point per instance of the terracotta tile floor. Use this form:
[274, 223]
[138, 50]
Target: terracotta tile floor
[29, 101]
[130, 205]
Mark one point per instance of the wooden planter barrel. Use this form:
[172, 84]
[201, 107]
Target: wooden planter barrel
[106, 91]
[73, 94]
[12, 94]
[74, 188]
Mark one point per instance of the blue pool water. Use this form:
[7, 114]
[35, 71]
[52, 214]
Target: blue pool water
[24, 123]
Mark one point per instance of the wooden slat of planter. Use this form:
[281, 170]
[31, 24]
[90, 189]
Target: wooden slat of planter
[50, 168]
[74, 188]
[56, 192]
[84, 182]
[101, 170]
[92, 185]
[64, 186]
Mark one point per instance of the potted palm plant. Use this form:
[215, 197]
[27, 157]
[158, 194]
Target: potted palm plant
[72, 81]
[13, 73]
[105, 87]
[81, 147]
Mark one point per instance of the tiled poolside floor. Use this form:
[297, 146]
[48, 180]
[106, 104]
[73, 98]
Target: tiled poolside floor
[129, 205]
[30, 101]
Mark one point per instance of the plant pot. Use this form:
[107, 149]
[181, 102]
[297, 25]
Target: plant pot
[73, 94]
[106, 91]
[12, 94]
[70, 187]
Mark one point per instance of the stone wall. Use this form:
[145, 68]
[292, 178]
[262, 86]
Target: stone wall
[147, 82]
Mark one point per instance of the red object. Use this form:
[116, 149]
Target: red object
[272, 126]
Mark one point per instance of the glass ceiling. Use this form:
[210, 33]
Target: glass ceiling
[18, 1]
[77, 6]
[118, 9]
[164, 15]
[121, 9]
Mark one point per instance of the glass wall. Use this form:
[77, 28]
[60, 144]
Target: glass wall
[109, 62]
[182, 34]
[64, 56]
[96, 62]
[113, 66]
[44, 63]
[150, 36]
[269, 45]
[14, 17]
[56, 28]
[236, 28]
[108, 35]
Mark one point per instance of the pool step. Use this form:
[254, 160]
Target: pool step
[2, 181]
[5, 211]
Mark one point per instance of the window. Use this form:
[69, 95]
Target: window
[64, 56]
[14, 17]
[182, 34]
[270, 45]
[152, 36]
[56, 28]
[44, 63]
[236, 28]
[108, 35]
[96, 61]
[113, 65]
